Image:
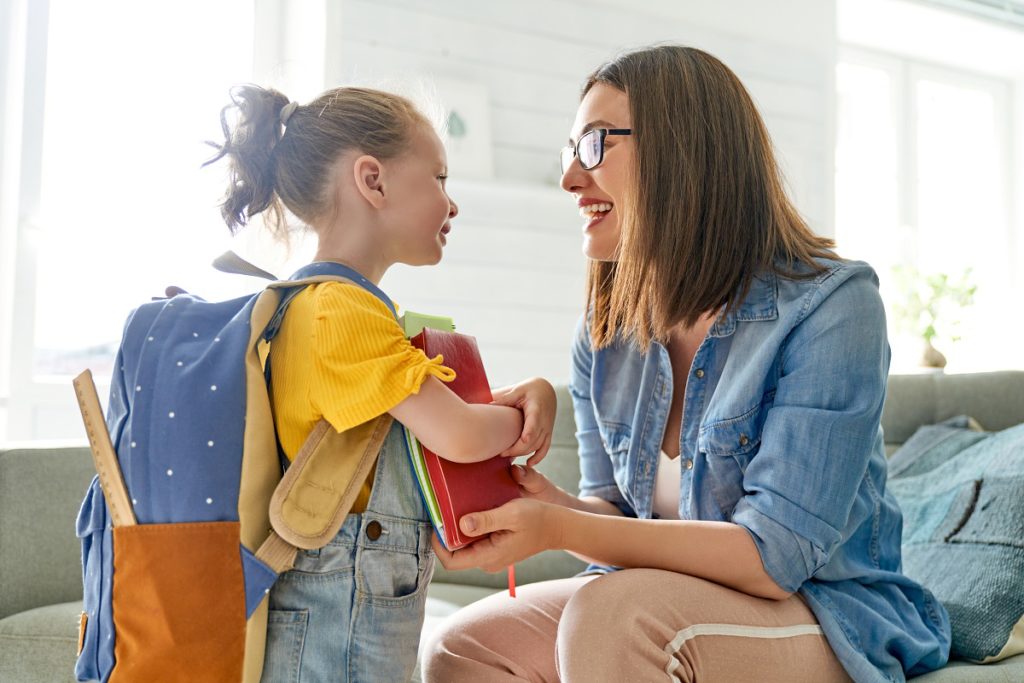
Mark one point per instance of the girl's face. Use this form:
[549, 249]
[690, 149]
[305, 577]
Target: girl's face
[421, 210]
[600, 191]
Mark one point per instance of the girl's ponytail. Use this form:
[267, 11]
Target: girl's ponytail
[272, 170]
[249, 143]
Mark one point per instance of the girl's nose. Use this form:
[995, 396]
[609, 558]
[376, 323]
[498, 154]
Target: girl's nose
[453, 209]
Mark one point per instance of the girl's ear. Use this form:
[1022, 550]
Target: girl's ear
[369, 177]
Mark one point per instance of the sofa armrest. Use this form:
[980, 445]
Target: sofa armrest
[41, 490]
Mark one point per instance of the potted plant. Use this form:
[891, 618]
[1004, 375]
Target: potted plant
[930, 306]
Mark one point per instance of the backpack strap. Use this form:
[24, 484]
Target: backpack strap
[318, 489]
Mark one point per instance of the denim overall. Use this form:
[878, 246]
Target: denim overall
[352, 611]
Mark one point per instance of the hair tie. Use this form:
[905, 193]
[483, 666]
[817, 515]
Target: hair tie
[286, 112]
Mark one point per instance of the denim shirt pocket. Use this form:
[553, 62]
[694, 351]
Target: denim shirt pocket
[728, 446]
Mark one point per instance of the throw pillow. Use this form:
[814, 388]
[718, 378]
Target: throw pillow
[962, 496]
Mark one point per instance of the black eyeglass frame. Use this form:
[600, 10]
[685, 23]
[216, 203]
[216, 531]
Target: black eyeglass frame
[602, 134]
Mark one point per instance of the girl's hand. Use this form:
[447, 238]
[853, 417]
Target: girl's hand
[518, 529]
[536, 398]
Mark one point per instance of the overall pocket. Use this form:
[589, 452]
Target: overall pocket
[178, 602]
[286, 637]
[387, 576]
[387, 621]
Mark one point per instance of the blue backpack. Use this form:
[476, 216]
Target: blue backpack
[190, 519]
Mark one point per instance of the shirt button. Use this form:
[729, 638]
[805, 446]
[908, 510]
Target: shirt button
[744, 440]
[373, 530]
[699, 373]
[688, 464]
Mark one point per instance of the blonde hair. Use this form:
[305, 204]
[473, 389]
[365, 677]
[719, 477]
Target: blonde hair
[705, 209]
[276, 165]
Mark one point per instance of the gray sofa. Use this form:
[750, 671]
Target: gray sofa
[41, 487]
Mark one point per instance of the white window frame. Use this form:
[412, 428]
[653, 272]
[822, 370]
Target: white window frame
[1008, 94]
[24, 68]
[36, 407]
[904, 72]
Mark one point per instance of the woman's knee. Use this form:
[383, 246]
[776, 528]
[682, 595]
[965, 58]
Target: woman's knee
[441, 651]
[623, 621]
[597, 615]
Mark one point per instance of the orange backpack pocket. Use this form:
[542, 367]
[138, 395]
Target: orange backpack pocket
[178, 602]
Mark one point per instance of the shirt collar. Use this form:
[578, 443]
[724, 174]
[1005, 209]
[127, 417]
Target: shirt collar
[758, 304]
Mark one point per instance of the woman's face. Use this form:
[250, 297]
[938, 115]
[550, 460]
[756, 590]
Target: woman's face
[600, 191]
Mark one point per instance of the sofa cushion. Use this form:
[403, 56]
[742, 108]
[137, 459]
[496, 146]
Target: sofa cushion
[960, 491]
[41, 490]
[1004, 671]
[39, 645]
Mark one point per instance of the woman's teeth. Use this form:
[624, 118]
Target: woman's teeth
[590, 210]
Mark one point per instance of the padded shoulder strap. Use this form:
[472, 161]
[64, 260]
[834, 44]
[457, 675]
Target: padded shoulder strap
[320, 486]
[318, 489]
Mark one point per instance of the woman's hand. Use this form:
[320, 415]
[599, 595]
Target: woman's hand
[536, 398]
[518, 529]
[533, 484]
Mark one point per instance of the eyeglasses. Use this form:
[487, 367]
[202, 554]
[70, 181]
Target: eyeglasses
[589, 148]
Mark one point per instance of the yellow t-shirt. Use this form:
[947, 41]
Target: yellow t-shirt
[341, 355]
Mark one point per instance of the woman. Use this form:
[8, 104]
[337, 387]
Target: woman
[727, 381]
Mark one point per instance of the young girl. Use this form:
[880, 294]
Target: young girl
[366, 172]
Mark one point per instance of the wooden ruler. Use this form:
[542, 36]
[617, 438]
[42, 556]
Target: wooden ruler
[103, 455]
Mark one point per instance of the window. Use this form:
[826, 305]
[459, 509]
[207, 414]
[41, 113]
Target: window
[118, 206]
[925, 163]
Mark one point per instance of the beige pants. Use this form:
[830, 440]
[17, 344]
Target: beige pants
[631, 625]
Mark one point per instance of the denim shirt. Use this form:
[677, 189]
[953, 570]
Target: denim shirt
[780, 434]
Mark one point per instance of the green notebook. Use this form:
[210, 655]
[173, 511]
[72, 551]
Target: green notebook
[412, 324]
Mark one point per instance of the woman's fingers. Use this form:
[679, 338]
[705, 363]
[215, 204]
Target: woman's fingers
[479, 555]
[530, 479]
[444, 556]
[480, 523]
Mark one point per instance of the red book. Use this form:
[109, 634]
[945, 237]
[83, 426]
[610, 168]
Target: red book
[462, 488]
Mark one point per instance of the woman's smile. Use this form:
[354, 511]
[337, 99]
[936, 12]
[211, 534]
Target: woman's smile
[594, 211]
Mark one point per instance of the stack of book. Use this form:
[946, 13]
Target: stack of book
[451, 489]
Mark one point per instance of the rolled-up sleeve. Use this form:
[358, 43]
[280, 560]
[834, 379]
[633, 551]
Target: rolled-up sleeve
[597, 476]
[820, 432]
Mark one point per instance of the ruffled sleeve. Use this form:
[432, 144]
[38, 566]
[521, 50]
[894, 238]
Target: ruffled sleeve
[363, 365]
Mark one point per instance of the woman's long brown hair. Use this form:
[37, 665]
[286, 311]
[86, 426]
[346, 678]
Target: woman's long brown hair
[705, 209]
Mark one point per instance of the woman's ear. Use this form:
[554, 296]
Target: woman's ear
[369, 177]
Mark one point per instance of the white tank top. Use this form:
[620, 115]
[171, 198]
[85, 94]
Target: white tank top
[666, 487]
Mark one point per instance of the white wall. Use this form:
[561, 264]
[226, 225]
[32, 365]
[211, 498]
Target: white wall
[513, 275]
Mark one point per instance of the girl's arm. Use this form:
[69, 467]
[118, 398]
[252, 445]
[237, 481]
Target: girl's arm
[456, 430]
